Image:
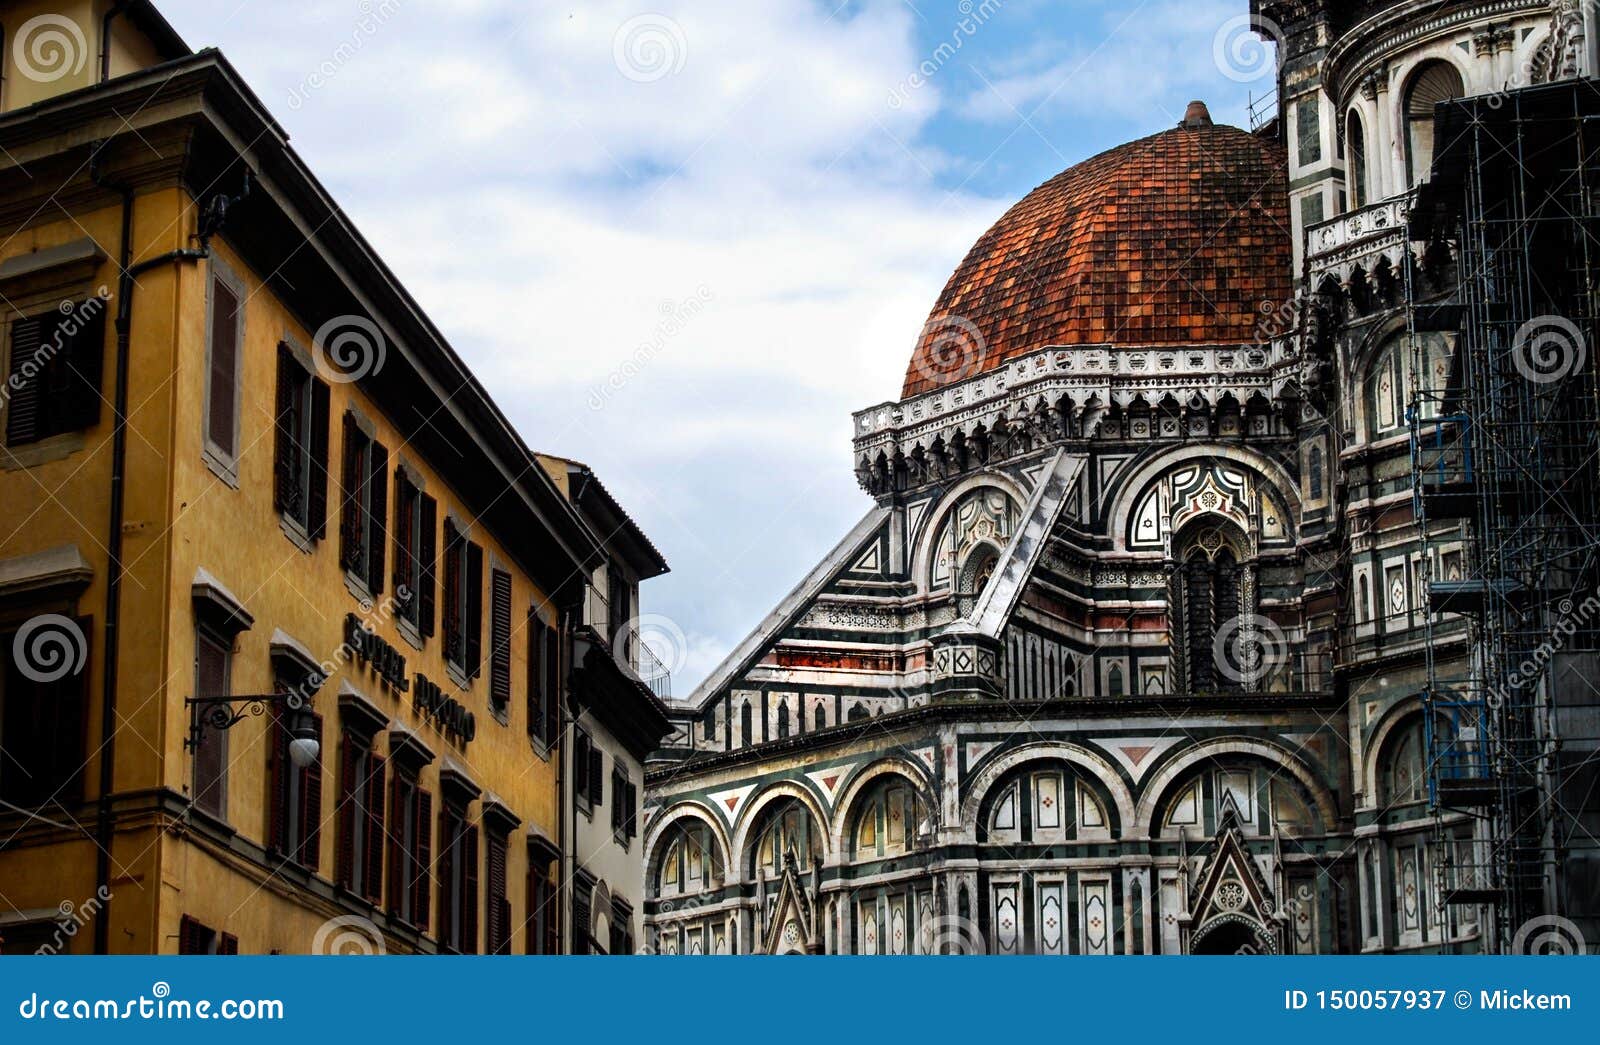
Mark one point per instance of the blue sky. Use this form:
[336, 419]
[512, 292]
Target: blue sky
[681, 240]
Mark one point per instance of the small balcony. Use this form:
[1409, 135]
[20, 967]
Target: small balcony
[1359, 239]
[654, 672]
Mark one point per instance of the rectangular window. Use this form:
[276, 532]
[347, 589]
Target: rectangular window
[544, 672]
[410, 850]
[619, 606]
[416, 528]
[224, 338]
[581, 750]
[544, 923]
[53, 373]
[196, 938]
[361, 838]
[458, 880]
[463, 595]
[213, 674]
[300, 460]
[43, 720]
[1308, 125]
[497, 907]
[366, 504]
[499, 640]
[294, 800]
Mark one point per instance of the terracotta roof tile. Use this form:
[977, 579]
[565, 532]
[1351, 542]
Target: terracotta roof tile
[1178, 238]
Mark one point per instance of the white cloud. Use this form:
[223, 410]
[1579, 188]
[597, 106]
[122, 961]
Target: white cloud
[542, 206]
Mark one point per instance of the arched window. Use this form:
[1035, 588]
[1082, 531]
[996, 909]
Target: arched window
[1433, 82]
[819, 718]
[1207, 597]
[1114, 684]
[1314, 466]
[783, 720]
[1355, 158]
[1402, 775]
[1363, 600]
[786, 828]
[746, 717]
[857, 713]
[691, 862]
[888, 821]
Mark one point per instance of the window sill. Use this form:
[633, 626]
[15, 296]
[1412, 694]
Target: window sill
[410, 632]
[221, 466]
[296, 533]
[358, 589]
[32, 455]
[541, 750]
[211, 822]
[458, 675]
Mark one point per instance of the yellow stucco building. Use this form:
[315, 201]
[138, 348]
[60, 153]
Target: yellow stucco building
[236, 460]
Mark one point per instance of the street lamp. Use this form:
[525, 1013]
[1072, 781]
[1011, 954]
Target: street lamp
[223, 713]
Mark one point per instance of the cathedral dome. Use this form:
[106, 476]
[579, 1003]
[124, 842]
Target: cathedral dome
[1181, 238]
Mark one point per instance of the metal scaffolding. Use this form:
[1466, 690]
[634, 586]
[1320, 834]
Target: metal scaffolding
[1506, 452]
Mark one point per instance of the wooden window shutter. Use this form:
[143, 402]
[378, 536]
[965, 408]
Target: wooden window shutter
[500, 638]
[278, 769]
[633, 810]
[399, 883]
[453, 646]
[580, 765]
[317, 481]
[373, 883]
[345, 871]
[310, 840]
[469, 889]
[286, 431]
[474, 629]
[597, 772]
[497, 906]
[447, 872]
[552, 683]
[85, 357]
[428, 547]
[191, 936]
[377, 507]
[350, 498]
[25, 421]
[224, 365]
[422, 882]
[405, 548]
[616, 803]
[227, 943]
[535, 703]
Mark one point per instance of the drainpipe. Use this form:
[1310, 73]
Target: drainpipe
[104, 822]
[105, 38]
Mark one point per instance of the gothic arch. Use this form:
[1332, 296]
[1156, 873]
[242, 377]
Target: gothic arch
[1402, 714]
[915, 775]
[1173, 771]
[752, 815]
[934, 519]
[1097, 766]
[664, 821]
[1129, 491]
